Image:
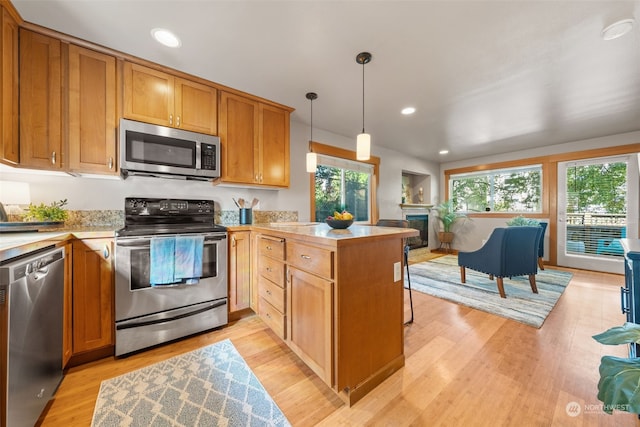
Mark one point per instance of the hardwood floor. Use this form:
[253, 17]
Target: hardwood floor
[463, 368]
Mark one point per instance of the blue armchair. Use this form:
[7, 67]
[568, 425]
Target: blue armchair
[543, 225]
[510, 251]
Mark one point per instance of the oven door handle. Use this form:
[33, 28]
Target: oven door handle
[145, 243]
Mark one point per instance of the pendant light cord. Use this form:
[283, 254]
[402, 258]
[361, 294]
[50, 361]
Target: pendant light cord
[363, 62]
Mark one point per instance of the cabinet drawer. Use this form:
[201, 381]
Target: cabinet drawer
[272, 270]
[272, 293]
[310, 258]
[271, 246]
[273, 318]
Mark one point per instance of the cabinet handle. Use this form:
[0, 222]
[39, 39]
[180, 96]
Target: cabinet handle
[257, 178]
[624, 300]
[110, 163]
[53, 158]
[268, 248]
[171, 119]
[305, 256]
[178, 121]
[233, 242]
[260, 177]
[105, 252]
[269, 269]
[268, 292]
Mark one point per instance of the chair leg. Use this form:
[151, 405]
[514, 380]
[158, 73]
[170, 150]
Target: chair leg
[540, 263]
[463, 274]
[501, 288]
[406, 262]
[532, 282]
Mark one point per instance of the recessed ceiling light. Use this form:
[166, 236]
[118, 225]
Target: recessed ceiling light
[443, 152]
[166, 37]
[617, 29]
[408, 110]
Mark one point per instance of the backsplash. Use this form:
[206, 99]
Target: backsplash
[115, 218]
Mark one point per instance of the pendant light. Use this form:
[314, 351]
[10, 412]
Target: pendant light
[312, 158]
[363, 142]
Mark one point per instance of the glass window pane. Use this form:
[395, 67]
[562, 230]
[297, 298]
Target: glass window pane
[505, 190]
[339, 189]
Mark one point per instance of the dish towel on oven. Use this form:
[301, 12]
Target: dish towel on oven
[162, 254]
[188, 262]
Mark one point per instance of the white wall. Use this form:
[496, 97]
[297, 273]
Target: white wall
[99, 193]
[479, 228]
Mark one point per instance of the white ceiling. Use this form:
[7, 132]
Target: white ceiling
[485, 76]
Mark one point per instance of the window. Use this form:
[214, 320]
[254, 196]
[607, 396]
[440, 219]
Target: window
[498, 190]
[342, 184]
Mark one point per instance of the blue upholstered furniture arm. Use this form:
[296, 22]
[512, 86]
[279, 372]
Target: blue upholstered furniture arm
[489, 258]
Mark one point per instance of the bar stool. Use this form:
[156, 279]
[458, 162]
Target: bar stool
[401, 223]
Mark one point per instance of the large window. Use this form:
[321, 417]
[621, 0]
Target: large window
[342, 184]
[499, 190]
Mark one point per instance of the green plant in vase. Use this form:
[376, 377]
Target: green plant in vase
[448, 216]
[53, 212]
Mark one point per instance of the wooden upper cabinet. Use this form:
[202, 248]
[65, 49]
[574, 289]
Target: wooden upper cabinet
[196, 106]
[239, 139]
[255, 142]
[274, 147]
[153, 96]
[92, 111]
[40, 101]
[9, 144]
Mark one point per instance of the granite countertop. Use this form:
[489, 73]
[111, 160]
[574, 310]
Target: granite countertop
[21, 243]
[322, 232]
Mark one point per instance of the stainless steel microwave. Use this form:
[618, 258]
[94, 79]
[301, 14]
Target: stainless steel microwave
[165, 152]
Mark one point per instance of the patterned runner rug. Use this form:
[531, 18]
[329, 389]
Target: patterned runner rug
[211, 386]
[440, 277]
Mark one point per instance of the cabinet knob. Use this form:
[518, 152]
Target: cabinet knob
[233, 242]
[268, 292]
[53, 158]
[305, 256]
[268, 248]
[110, 163]
[106, 252]
[171, 119]
[269, 269]
[178, 121]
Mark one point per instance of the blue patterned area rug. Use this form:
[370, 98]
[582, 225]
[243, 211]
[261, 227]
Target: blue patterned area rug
[211, 386]
[440, 277]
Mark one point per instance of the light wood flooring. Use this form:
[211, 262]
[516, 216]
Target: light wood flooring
[463, 368]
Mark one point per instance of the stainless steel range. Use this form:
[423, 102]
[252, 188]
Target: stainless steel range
[156, 301]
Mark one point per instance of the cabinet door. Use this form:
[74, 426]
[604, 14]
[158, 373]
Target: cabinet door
[92, 111]
[93, 320]
[148, 95]
[239, 139]
[310, 321]
[9, 146]
[274, 146]
[40, 101]
[196, 107]
[239, 270]
[67, 325]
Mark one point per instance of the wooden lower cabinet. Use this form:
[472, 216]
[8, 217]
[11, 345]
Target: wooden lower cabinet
[310, 324]
[67, 320]
[93, 295]
[239, 270]
[344, 302]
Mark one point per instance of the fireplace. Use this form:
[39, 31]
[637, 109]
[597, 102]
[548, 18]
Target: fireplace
[421, 223]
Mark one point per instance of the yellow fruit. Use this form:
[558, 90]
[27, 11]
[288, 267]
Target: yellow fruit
[347, 215]
[337, 215]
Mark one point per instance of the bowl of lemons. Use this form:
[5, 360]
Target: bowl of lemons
[340, 220]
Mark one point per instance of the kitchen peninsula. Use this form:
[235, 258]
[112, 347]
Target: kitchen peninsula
[336, 298]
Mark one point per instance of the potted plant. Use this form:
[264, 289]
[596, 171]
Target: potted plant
[447, 216]
[522, 221]
[620, 376]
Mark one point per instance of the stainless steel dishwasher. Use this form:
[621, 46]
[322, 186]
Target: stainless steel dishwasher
[31, 302]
